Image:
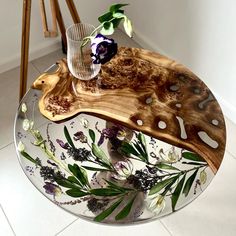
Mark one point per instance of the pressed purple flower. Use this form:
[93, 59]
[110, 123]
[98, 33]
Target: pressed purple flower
[80, 136]
[103, 49]
[52, 189]
[62, 144]
[123, 170]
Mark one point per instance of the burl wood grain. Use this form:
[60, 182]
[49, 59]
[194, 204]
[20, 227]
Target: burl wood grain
[144, 91]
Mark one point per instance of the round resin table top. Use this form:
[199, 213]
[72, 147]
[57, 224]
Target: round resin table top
[105, 171]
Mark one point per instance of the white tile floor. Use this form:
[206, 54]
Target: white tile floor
[24, 211]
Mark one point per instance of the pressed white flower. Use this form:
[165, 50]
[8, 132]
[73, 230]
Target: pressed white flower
[124, 170]
[20, 147]
[23, 108]
[203, 177]
[84, 122]
[121, 134]
[156, 203]
[26, 124]
[171, 157]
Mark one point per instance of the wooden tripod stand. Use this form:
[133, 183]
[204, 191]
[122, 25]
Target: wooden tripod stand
[26, 33]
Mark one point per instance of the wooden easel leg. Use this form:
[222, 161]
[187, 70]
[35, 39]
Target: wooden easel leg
[25, 46]
[60, 22]
[73, 11]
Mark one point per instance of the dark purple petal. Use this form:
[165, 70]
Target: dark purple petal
[51, 188]
[62, 144]
[101, 140]
[103, 49]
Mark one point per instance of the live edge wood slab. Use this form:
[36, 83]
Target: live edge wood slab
[144, 91]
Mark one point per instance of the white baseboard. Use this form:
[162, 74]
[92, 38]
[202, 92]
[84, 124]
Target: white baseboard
[228, 109]
[34, 52]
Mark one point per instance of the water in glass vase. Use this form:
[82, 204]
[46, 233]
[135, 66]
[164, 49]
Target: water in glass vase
[79, 58]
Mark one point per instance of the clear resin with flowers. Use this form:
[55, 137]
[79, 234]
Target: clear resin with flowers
[104, 172]
[88, 48]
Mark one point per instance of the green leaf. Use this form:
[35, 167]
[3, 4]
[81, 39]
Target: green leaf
[126, 210]
[193, 163]
[28, 157]
[116, 22]
[66, 183]
[116, 7]
[76, 192]
[160, 185]
[115, 186]
[128, 27]
[108, 211]
[92, 135]
[189, 183]
[79, 173]
[98, 152]
[68, 138]
[166, 166]
[94, 168]
[176, 193]
[128, 149]
[192, 156]
[142, 140]
[105, 17]
[74, 180]
[108, 28]
[105, 192]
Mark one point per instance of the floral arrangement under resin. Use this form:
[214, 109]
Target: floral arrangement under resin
[118, 173]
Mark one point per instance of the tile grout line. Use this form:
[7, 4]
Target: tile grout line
[35, 67]
[163, 224]
[6, 145]
[7, 220]
[66, 227]
[231, 154]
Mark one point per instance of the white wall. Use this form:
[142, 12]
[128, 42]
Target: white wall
[10, 28]
[198, 33]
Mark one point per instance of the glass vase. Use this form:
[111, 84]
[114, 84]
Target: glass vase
[79, 57]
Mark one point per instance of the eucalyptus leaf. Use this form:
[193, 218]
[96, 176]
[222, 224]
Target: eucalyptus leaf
[92, 135]
[28, 157]
[79, 173]
[74, 192]
[108, 211]
[116, 7]
[74, 180]
[126, 210]
[68, 138]
[166, 166]
[141, 154]
[99, 153]
[128, 149]
[193, 163]
[177, 192]
[189, 183]
[162, 184]
[67, 183]
[105, 192]
[192, 156]
[115, 186]
[95, 168]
